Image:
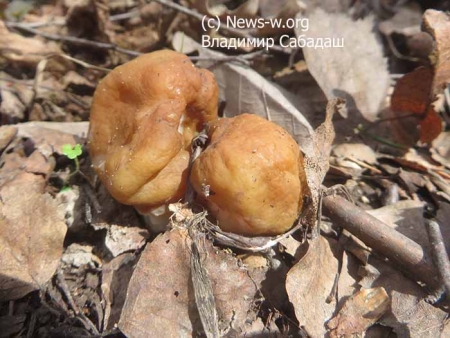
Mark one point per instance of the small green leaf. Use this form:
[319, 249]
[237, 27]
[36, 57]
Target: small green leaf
[72, 152]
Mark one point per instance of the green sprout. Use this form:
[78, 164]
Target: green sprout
[73, 153]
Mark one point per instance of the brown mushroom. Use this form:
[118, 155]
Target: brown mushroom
[144, 115]
[251, 176]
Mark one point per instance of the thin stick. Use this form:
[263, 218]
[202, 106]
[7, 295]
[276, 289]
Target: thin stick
[385, 240]
[228, 58]
[439, 254]
[71, 39]
[79, 314]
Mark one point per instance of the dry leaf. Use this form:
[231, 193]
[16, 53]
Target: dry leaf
[116, 275]
[316, 159]
[160, 299]
[32, 231]
[46, 140]
[412, 96]
[310, 282]
[440, 151]
[406, 21]
[122, 225]
[437, 24]
[410, 315]
[415, 92]
[359, 312]
[7, 133]
[358, 71]
[27, 52]
[356, 151]
[245, 91]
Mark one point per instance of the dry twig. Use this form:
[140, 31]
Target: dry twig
[79, 314]
[385, 240]
[439, 254]
[71, 39]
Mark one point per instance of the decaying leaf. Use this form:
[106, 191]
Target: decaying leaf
[160, 299]
[245, 91]
[412, 97]
[310, 282]
[32, 231]
[359, 312]
[356, 72]
[410, 315]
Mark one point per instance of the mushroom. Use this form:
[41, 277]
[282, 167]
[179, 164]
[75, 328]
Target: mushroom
[250, 176]
[144, 115]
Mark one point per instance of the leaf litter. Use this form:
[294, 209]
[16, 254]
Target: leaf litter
[102, 271]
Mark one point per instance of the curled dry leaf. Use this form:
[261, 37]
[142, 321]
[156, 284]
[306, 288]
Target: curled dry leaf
[32, 232]
[244, 90]
[356, 72]
[160, 298]
[317, 158]
[310, 282]
[359, 312]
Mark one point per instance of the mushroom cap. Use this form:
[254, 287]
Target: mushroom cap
[144, 115]
[254, 170]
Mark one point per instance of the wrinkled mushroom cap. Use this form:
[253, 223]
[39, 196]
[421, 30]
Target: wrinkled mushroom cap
[143, 117]
[254, 172]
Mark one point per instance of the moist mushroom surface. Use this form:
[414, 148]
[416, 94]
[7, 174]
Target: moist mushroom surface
[251, 176]
[143, 117]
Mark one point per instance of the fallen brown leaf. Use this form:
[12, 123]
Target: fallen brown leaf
[437, 23]
[356, 72]
[310, 282]
[410, 315]
[32, 231]
[27, 52]
[160, 299]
